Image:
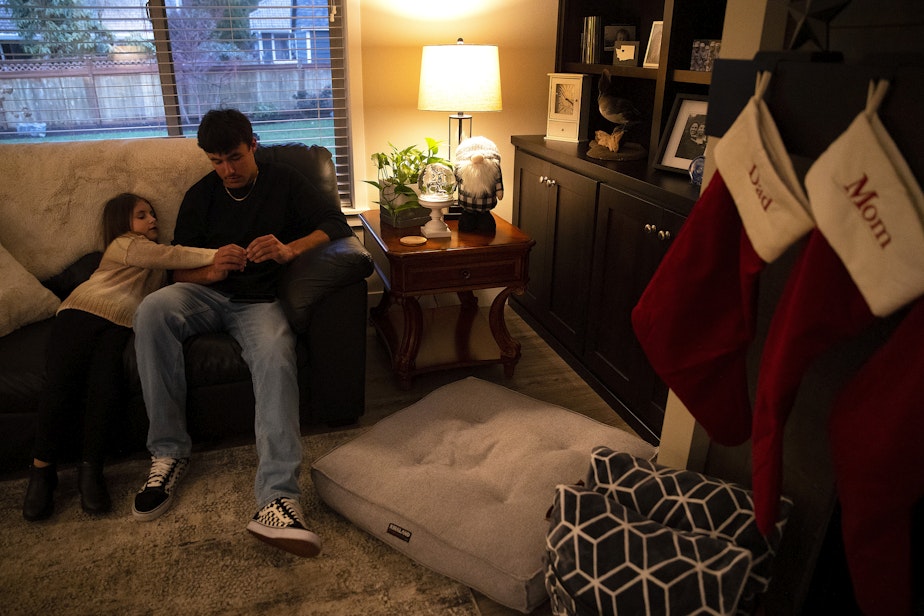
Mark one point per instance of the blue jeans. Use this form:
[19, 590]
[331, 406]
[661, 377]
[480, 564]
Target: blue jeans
[172, 314]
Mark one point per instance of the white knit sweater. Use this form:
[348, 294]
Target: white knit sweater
[131, 267]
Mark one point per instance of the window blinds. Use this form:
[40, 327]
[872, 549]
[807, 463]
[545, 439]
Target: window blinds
[111, 69]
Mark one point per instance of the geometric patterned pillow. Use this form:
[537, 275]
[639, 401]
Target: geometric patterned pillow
[604, 558]
[690, 501]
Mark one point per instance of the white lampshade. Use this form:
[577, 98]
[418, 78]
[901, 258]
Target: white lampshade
[459, 78]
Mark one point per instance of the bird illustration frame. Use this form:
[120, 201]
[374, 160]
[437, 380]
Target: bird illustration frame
[653, 50]
[569, 107]
[684, 137]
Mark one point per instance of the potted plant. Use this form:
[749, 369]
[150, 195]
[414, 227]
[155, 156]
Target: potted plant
[398, 175]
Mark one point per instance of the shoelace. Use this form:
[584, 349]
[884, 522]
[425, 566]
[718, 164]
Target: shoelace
[160, 470]
[280, 513]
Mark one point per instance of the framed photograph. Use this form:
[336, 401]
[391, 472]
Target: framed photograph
[616, 34]
[653, 53]
[684, 136]
[625, 53]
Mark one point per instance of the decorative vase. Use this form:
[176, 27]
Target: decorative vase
[395, 209]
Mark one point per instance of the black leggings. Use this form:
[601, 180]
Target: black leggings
[84, 386]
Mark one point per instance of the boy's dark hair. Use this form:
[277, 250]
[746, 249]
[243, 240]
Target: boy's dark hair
[222, 130]
[117, 215]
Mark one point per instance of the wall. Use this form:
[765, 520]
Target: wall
[384, 66]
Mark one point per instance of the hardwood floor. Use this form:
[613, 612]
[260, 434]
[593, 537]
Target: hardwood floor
[540, 374]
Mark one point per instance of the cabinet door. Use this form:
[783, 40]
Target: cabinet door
[556, 208]
[531, 214]
[572, 207]
[654, 398]
[630, 242]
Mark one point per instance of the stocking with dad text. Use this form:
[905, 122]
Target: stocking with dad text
[696, 319]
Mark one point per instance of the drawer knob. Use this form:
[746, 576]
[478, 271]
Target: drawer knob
[664, 235]
[650, 228]
[466, 274]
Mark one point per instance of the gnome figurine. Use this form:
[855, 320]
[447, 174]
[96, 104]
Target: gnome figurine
[479, 182]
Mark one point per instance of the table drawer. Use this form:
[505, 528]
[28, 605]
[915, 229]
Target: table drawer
[459, 274]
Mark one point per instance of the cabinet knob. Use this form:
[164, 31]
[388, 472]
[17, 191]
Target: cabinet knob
[650, 228]
[466, 274]
[664, 235]
[544, 179]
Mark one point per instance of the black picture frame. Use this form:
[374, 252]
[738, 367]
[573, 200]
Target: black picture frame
[614, 34]
[684, 137]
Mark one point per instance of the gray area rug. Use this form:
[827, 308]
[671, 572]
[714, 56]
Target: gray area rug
[198, 558]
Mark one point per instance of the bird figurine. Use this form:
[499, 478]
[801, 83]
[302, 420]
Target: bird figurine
[622, 113]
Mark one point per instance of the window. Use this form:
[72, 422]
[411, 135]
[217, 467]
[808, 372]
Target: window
[276, 47]
[111, 69]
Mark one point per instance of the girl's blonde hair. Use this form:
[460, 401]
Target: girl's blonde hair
[117, 215]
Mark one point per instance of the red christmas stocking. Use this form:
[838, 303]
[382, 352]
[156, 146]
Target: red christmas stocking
[865, 259]
[819, 306]
[877, 430]
[696, 318]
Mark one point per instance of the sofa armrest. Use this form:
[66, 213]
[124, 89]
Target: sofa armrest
[318, 272]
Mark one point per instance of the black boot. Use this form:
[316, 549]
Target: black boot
[39, 503]
[94, 497]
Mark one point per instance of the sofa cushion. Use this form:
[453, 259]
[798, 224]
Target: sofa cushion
[23, 299]
[314, 274]
[605, 558]
[462, 481]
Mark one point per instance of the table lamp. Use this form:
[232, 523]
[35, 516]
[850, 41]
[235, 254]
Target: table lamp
[460, 78]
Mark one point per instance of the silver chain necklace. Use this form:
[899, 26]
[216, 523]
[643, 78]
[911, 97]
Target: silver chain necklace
[239, 199]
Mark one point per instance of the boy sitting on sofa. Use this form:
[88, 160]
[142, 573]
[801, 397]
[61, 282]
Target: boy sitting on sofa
[267, 215]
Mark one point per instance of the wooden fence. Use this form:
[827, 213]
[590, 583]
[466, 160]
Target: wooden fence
[103, 93]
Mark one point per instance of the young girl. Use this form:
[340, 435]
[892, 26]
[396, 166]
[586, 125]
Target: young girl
[85, 350]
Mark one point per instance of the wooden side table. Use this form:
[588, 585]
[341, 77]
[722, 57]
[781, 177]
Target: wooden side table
[448, 336]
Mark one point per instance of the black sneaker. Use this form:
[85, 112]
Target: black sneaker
[280, 524]
[156, 495]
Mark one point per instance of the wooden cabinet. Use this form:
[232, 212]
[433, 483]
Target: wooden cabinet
[600, 235]
[602, 227]
[652, 90]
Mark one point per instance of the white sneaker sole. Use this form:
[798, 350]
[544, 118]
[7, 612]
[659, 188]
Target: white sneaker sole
[300, 542]
[147, 516]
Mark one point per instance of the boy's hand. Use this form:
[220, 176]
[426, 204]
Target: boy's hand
[266, 248]
[230, 258]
